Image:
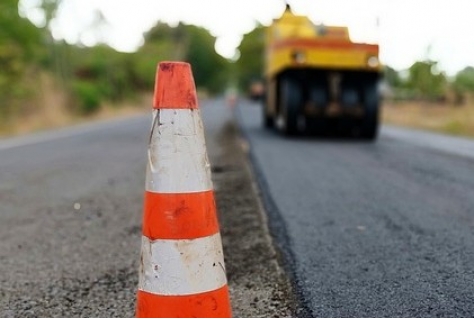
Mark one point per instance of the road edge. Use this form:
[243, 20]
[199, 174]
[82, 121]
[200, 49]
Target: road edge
[275, 229]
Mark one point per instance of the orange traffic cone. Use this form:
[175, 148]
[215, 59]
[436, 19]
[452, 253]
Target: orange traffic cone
[182, 272]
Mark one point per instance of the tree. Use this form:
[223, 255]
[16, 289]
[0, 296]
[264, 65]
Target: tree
[426, 81]
[20, 42]
[463, 84]
[209, 68]
[464, 80]
[184, 43]
[57, 58]
[250, 64]
[392, 77]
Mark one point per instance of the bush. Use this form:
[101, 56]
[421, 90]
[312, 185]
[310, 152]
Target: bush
[88, 96]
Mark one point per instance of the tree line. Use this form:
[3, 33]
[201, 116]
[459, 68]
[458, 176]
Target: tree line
[92, 75]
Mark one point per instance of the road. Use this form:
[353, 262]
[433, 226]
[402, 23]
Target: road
[380, 229]
[357, 229]
[70, 220]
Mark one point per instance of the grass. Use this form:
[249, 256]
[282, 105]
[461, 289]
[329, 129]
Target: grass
[49, 119]
[443, 118]
[50, 109]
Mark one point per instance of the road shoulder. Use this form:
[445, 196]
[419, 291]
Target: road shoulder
[258, 285]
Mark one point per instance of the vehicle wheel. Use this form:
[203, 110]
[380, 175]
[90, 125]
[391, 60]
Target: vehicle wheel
[267, 120]
[370, 123]
[290, 102]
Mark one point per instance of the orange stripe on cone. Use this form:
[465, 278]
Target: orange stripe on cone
[211, 304]
[179, 216]
[178, 76]
[182, 271]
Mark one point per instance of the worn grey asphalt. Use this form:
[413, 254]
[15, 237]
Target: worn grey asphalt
[70, 221]
[382, 229]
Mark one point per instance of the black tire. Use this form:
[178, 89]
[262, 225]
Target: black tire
[267, 120]
[370, 123]
[289, 106]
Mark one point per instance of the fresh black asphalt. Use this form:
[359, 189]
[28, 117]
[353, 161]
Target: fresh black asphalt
[382, 229]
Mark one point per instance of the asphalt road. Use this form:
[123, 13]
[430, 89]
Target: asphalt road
[364, 230]
[382, 229]
[70, 220]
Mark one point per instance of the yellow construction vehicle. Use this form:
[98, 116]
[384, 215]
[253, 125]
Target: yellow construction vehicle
[316, 77]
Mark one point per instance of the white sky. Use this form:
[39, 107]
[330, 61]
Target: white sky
[408, 30]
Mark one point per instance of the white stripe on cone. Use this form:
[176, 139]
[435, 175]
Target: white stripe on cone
[177, 156]
[182, 267]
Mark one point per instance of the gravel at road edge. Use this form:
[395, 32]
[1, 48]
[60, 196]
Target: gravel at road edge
[258, 285]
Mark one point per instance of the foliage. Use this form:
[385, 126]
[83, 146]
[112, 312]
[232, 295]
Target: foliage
[17, 31]
[426, 81]
[392, 77]
[91, 75]
[117, 75]
[209, 68]
[111, 73]
[88, 95]
[182, 43]
[251, 61]
[161, 43]
[464, 80]
[20, 41]
[422, 81]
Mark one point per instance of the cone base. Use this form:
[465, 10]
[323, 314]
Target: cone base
[212, 304]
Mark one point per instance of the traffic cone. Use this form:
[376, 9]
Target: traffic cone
[182, 272]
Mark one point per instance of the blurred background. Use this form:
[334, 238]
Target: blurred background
[66, 61]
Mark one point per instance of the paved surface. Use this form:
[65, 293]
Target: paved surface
[381, 229]
[70, 221]
[364, 230]
[444, 143]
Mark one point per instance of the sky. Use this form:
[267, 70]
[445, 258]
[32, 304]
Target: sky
[406, 30]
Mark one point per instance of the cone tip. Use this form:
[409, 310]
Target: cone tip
[174, 86]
